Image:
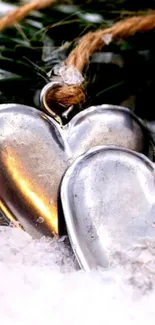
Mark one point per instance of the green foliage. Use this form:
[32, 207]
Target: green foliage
[122, 74]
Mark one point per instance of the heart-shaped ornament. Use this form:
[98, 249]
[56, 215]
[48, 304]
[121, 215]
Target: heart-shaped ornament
[35, 152]
[108, 198]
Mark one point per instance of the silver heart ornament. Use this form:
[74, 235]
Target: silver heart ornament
[35, 151]
[108, 198]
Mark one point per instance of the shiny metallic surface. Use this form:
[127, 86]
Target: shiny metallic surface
[108, 125]
[108, 198]
[35, 152]
[43, 98]
[32, 160]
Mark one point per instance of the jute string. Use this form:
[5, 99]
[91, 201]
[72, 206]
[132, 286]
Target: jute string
[20, 13]
[91, 43]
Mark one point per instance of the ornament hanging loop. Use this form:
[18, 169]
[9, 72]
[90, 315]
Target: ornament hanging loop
[44, 99]
[64, 76]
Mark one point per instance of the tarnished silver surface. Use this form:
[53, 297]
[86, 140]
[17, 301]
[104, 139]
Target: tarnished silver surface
[35, 152]
[32, 161]
[108, 125]
[108, 198]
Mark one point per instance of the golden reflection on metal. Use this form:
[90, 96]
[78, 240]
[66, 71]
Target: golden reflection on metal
[38, 202]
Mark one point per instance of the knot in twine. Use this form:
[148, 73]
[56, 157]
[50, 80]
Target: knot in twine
[67, 95]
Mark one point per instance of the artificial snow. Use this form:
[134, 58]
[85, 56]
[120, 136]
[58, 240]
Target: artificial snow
[40, 283]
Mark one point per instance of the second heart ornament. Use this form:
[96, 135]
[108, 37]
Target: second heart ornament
[35, 152]
[108, 198]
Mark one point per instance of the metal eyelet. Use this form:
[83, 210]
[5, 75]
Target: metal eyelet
[43, 98]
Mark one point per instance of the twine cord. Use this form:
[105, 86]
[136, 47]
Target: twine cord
[91, 43]
[19, 14]
[94, 41]
[67, 95]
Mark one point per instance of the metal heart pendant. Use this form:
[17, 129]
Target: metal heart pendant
[35, 152]
[108, 198]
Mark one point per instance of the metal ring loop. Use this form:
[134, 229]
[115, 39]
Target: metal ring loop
[43, 98]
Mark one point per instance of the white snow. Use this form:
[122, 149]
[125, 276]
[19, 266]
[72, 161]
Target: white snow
[40, 284]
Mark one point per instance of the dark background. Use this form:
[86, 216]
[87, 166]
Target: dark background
[122, 74]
